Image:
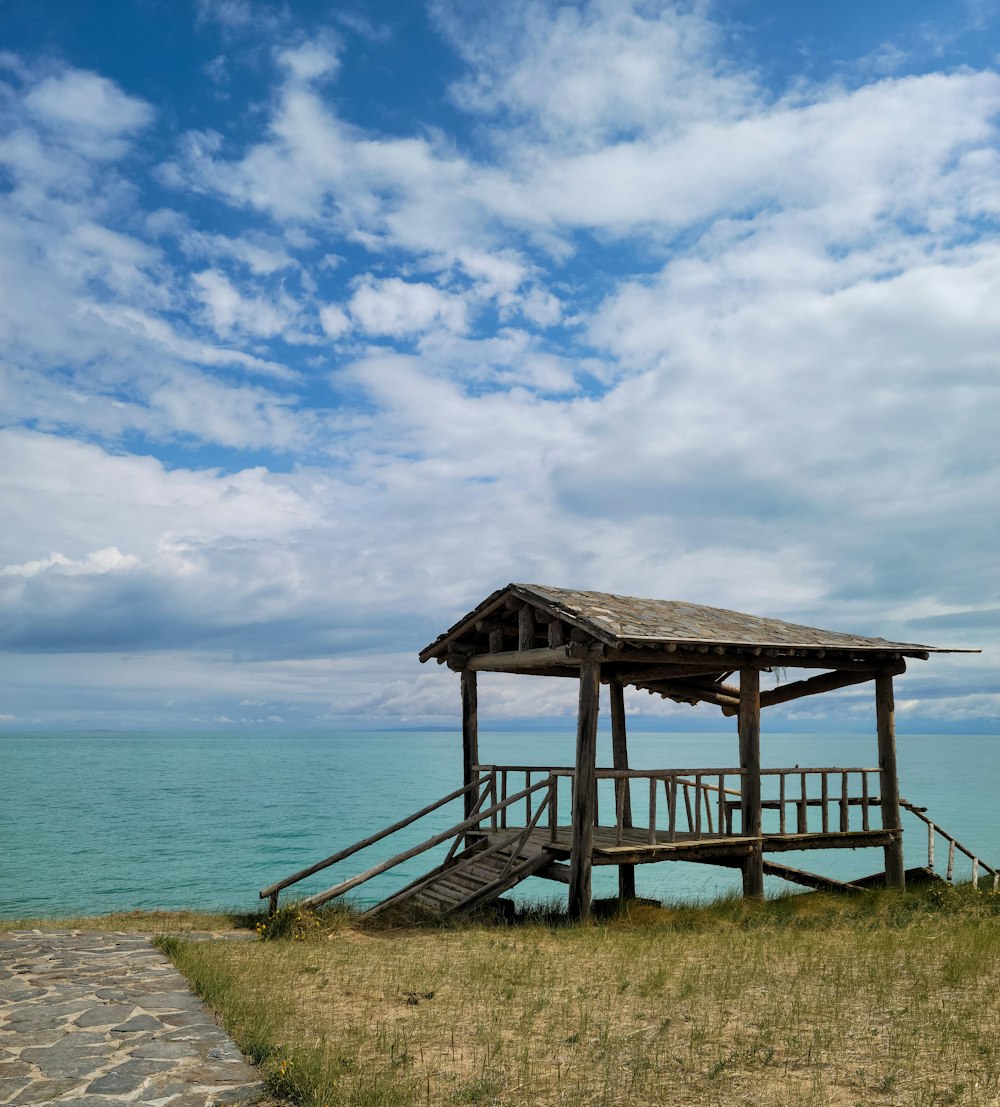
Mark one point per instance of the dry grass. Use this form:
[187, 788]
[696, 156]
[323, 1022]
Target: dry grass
[144, 922]
[875, 1000]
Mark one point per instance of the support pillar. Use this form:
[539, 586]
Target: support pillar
[584, 791]
[749, 731]
[885, 717]
[623, 796]
[470, 735]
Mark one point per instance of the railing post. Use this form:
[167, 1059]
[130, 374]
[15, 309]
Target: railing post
[930, 846]
[672, 812]
[652, 810]
[845, 818]
[553, 806]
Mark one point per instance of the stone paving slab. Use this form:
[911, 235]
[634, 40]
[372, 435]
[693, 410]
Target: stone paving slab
[96, 1018]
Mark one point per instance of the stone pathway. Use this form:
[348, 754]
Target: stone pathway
[95, 1018]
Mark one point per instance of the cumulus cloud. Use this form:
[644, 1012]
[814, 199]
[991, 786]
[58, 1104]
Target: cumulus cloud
[644, 326]
[398, 308]
[78, 100]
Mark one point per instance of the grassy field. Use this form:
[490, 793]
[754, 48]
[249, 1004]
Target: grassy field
[812, 999]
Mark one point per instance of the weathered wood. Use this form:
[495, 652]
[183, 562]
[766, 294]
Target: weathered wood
[522, 661]
[584, 790]
[825, 682]
[555, 871]
[470, 735]
[343, 854]
[556, 633]
[749, 736]
[895, 873]
[526, 628]
[623, 794]
[459, 828]
[496, 641]
[808, 879]
[688, 663]
[705, 694]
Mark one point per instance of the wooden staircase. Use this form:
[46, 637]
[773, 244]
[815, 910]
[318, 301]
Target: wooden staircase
[473, 872]
[474, 878]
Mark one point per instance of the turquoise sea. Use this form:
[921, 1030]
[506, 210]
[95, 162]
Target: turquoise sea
[92, 823]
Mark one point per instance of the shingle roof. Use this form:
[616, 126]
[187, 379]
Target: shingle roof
[629, 620]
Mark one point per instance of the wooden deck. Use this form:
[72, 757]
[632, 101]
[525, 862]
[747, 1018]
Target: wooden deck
[635, 848]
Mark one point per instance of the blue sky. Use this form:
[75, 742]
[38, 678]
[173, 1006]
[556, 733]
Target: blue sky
[320, 322]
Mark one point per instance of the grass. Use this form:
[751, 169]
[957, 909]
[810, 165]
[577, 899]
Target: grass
[145, 922]
[809, 999]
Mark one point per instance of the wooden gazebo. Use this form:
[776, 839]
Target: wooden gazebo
[737, 816]
[686, 652]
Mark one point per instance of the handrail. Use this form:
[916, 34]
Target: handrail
[953, 845]
[342, 855]
[706, 770]
[354, 881]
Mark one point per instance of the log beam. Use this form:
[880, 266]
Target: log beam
[584, 791]
[825, 682]
[470, 736]
[526, 628]
[623, 796]
[749, 734]
[885, 717]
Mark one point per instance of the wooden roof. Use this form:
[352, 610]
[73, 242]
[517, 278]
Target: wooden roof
[628, 623]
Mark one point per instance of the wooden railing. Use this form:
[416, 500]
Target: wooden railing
[954, 846]
[484, 785]
[655, 805]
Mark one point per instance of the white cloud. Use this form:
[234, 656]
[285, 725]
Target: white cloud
[398, 308]
[229, 310]
[334, 320]
[78, 99]
[310, 60]
[108, 560]
[591, 73]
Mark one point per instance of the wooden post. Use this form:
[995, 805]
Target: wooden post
[470, 735]
[885, 717]
[749, 731]
[623, 794]
[581, 855]
[526, 628]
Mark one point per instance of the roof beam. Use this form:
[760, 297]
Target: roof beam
[825, 682]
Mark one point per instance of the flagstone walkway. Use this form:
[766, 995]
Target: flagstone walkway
[94, 1018]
